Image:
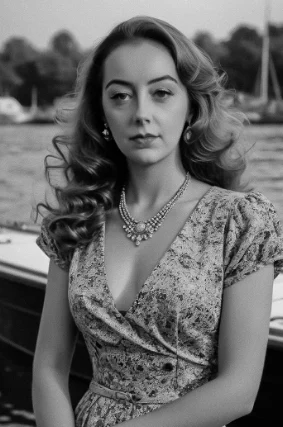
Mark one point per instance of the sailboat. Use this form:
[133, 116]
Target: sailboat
[40, 115]
[262, 109]
[12, 112]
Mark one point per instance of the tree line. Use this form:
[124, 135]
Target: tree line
[53, 71]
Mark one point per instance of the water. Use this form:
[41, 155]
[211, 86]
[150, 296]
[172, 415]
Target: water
[22, 152]
[22, 185]
[15, 389]
[23, 148]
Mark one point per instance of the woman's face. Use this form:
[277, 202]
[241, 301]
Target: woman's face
[142, 94]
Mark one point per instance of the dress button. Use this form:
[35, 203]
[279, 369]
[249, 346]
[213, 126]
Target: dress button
[168, 367]
[135, 398]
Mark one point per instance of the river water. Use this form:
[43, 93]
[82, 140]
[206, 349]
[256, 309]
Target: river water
[22, 185]
[23, 148]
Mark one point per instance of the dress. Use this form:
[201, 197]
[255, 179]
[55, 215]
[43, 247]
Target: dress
[166, 344]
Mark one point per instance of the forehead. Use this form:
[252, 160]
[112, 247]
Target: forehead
[139, 61]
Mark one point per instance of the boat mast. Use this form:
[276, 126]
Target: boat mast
[33, 107]
[265, 54]
[274, 79]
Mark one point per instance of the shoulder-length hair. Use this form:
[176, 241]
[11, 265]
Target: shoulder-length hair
[95, 170]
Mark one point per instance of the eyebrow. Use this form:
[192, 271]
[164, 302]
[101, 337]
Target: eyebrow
[125, 83]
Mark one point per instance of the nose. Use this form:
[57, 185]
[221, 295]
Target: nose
[142, 111]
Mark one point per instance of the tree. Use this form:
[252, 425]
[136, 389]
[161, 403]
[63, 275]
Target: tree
[206, 42]
[18, 50]
[243, 58]
[50, 73]
[65, 44]
[9, 79]
[247, 34]
[275, 31]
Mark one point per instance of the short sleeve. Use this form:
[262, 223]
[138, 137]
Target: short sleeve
[253, 238]
[48, 245]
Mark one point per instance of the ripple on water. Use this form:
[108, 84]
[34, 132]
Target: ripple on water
[21, 172]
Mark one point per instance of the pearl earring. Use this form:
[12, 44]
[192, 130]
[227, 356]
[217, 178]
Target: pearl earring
[187, 134]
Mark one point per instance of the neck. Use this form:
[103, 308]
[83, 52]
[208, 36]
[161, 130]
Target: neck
[151, 186]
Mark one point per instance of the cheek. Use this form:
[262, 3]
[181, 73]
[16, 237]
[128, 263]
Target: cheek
[182, 109]
[105, 106]
[118, 130]
[177, 118]
[118, 126]
[116, 119]
[112, 115]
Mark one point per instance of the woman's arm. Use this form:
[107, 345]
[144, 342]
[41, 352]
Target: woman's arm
[53, 355]
[242, 346]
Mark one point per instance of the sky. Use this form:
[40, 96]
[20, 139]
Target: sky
[90, 20]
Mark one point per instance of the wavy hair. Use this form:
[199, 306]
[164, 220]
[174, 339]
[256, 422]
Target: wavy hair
[94, 171]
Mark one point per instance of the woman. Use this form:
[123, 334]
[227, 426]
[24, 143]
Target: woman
[146, 241]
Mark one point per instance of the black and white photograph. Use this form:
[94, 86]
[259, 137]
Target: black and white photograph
[141, 213]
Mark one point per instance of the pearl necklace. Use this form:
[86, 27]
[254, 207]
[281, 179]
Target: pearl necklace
[138, 231]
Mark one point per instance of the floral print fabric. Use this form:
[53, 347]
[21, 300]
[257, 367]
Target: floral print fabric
[166, 343]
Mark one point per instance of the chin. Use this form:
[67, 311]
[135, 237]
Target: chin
[145, 159]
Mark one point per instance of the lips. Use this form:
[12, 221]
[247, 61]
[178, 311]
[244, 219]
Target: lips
[144, 136]
[144, 141]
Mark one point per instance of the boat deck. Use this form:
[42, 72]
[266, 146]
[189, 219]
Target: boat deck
[22, 258]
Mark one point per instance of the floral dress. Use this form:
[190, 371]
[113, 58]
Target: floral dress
[166, 344]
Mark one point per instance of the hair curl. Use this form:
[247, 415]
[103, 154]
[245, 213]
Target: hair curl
[95, 171]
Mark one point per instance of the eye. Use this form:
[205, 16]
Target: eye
[121, 96]
[162, 94]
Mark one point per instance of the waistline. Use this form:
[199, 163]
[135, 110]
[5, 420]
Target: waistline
[126, 396]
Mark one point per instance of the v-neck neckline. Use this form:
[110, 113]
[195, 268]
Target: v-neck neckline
[124, 313]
